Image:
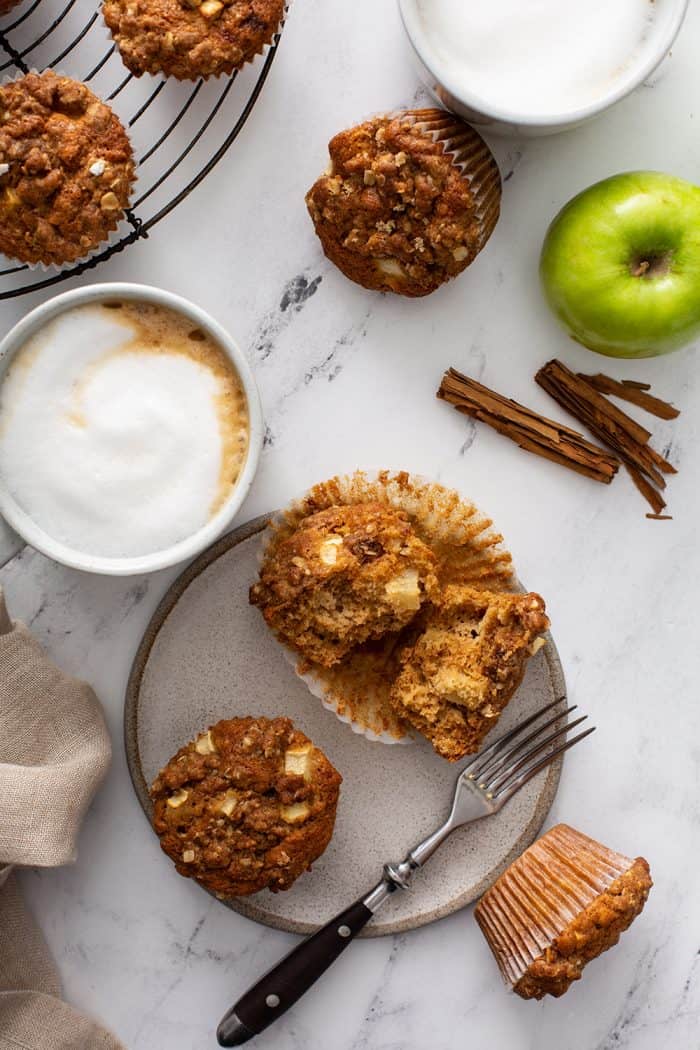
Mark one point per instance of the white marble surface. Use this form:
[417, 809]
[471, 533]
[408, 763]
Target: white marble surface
[347, 379]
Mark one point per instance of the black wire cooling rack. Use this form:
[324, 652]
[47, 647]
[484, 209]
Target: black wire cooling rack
[179, 130]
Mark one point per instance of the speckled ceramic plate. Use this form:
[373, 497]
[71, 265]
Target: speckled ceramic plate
[206, 655]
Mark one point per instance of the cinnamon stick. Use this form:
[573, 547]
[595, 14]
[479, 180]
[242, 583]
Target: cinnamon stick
[531, 431]
[634, 392]
[612, 426]
[653, 498]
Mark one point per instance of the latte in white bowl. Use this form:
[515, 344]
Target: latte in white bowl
[129, 429]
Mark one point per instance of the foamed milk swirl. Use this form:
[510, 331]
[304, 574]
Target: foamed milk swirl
[122, 430]
[536, 57]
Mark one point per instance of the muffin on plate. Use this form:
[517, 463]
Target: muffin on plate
[250, 804]
[66, 169]
[465, 664]
[408, 202]
[188, 39]
[464, 543]
[345, 575]
[561, 904]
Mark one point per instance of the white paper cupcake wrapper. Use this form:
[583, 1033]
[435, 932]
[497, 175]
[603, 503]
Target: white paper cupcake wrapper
[468, 548]
[115, 236]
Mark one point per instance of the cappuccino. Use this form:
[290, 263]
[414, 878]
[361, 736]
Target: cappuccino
[123, 428]
[536, 56]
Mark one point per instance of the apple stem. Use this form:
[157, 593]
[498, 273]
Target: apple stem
[652, 266]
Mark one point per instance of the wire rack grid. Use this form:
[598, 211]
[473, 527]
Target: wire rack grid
[179, 130]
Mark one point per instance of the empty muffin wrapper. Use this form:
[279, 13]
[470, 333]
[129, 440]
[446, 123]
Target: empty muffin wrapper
[468, 550]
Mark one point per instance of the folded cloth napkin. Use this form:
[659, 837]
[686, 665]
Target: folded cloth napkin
[54, 752]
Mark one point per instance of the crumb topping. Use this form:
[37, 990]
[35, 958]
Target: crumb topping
[345, 575]
[187, 39]
[249, 804]
[394, 211]
[65, 169]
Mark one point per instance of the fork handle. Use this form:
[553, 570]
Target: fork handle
[286, 982]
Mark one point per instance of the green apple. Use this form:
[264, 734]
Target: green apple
[620, 265]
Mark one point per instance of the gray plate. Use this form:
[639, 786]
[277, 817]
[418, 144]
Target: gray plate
[206, 655]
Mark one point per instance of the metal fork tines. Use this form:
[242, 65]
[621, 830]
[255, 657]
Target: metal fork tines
[500, 770]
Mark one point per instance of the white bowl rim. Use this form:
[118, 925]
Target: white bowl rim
[637, 74]
[35, 536]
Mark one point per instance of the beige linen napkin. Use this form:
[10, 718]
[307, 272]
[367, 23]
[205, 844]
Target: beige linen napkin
[54, 752]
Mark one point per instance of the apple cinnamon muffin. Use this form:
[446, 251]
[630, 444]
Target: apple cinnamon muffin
[345, 575]
[560, 905]
[409, 200]
[250, 804]
[188, 39]
[465, 663]
[66, 169]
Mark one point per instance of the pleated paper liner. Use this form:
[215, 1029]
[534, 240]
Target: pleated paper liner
[471, 155]
[468, 549]
[121, 224]
[541, 893]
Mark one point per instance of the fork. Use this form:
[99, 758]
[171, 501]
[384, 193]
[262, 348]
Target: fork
[483, 788]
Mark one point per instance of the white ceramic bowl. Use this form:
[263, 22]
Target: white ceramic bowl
[668, 18]
[192, 545]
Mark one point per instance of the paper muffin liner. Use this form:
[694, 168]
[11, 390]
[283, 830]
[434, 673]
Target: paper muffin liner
[541, 893]
[470, 154]
[123, 225]
[468, 550]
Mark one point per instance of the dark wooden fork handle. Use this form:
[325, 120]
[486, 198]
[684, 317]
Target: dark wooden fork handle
[286, 982]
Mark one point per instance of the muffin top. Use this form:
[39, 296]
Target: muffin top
[65, 169]
[347, 574]
[395, 212]
[247, 805]
[466, 662]
[188, 39]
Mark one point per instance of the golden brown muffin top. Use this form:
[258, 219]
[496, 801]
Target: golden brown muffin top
[66, 168]
[249, 804]
[466, 662]
[188, 39]
[592, 932]
[395, 212]
[346, 574]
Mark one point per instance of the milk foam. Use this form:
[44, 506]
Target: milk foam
[120, 434]
[536, 56]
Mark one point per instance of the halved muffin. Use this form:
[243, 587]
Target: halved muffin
[347, 574]
[249, 804]
[465, 663]
[561, 904]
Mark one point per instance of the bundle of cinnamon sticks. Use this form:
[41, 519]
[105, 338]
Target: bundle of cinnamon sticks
[587, 398]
